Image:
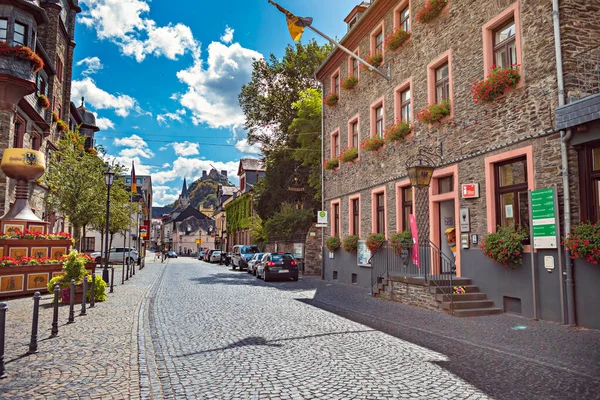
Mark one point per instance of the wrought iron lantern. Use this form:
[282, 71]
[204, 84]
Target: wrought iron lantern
[420, 168]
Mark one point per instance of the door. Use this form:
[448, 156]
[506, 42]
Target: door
[447, 231]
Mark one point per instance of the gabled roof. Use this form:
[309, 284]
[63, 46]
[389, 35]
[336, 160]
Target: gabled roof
[191, 212]
[250, 164]
[184, 189]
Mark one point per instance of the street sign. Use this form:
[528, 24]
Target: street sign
[543, 216]
[322, 217]
[470, 190]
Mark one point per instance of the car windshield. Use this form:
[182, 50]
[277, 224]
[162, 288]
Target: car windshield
[257, 256]
[249, 250]
[282, 257]
[216, 253]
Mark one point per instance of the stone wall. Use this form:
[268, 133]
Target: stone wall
[410, 293]
[313, 252]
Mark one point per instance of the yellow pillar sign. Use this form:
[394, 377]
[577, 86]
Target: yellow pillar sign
[198, 241]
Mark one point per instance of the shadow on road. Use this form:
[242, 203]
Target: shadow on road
[244, 279]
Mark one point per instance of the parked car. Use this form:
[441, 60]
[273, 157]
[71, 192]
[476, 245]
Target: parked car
[207, 255]
[171, 254]
[252, 263]
[277, 265]
[201, 255]
[215, 256]
[241, 254]
[116, 255]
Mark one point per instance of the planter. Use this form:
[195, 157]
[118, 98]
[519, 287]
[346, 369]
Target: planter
[350, 82]
[43, 101]
[397, 131]
[332, 163]
[396, 39]
[430, 11]
[349, 155]
[374, 59]
[372, 144]
[496, 84]
[332, 100]
[434, 113]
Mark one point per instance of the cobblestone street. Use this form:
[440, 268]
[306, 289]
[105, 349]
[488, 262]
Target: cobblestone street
[188, 329]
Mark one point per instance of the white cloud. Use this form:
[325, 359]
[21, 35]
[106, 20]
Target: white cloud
[93, 65]
[228, 35]
[135, 127]
[192, 168]
[181, 111]
[135, 146]
[101, 99]
[162, 195]
[164, 118]
[114, 18]
[212, 94]
[185, 148]
[166, 165]
[243, 147]
[104, 123]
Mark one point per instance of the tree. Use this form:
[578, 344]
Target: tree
[284, 224]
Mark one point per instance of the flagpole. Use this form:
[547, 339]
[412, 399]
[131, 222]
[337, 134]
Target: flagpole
[351, 54]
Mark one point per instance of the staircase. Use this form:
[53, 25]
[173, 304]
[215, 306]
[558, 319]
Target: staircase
[471, 303]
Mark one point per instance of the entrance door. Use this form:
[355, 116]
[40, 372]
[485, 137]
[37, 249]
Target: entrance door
[447, 231]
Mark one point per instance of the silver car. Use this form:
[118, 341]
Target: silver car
[252, 263]
[215, 256]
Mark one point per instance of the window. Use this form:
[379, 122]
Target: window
[442, 84]
[336, 219]
[589, 182]
[511, 196]
[379, 41]
[355, 216]
[405, 105]
[407, 206]
[3, 29]
[405, 19]
[380, 202]
[20, 34]
[376, 39]
[354, 133]
[242, 183]
[89, 244]
[36, 142]
[355, 66]
[336, 84]
[59, 69]
[335, 144]
[379, 121]
[19, 132]
[505, 45]
[445, 184]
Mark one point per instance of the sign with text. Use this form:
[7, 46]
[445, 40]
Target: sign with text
[470, 190]
[322, 217]
[363, 254]
[543, 215]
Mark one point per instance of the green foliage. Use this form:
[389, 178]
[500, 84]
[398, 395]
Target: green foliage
[374, 241]
[238, 213]
[351, 243]
[99, 288]
[258, 232]
[505, 246]
[350, 82]
[283, 225]
[434, 112]
[332, 163]
[584, 242]
[400, 241]
[74, 266]
[333, 243]
[74, 269]
[350, 154]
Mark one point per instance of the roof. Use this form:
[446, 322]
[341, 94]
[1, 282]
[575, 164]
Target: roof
[191, 212]
[184, 190]
[251, 164]
[228, 190]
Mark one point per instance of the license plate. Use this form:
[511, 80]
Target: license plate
[283, 270]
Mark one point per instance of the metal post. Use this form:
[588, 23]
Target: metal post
[559, 255]
[106, 244]
[72, 303]
[533, 274]
[55, 312]
[126, 266]
[93, 296]
[33, 344]
[112, 278]
[84, 299]
[3, 309]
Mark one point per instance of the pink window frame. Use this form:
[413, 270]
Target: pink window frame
[332, 81]
[332, 147]
[444, 58]
[399, 200]
[372, 40]
[374, 193]
[401, 6]
[332, 218]
[357, 52]
[511, 12]
[373, 116]
[355, 118]
[407, 84]
[350, 216]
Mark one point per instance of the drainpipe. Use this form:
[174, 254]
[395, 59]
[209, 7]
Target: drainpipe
[322, 175]
[564, 140]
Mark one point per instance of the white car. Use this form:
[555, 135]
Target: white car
[116, 255]
[252, 263]
[215, 256]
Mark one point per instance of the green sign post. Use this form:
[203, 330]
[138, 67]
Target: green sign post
[543, 219]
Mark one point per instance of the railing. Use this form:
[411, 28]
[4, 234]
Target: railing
[585, 81]
[443, 269]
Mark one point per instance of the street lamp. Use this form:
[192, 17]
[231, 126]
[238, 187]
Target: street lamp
[109, 177]
[222, 230]
[420, 168]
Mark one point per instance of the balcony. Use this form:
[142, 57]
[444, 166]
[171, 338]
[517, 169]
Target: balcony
[582, 91]
[17, 73]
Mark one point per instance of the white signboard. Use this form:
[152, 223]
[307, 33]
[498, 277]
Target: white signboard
[322, 217]
[298, 250]
[363, 254]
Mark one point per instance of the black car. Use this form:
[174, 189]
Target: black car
[171, 254]
[277, 265]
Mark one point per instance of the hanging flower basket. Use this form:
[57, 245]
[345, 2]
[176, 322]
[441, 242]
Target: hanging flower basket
[61, 125]
[583, 242]
[396, 39]
[332, 100]
[348, 155]
[496, 84]
[374, 59]
[43, 101]
[374, 241]
[430, 11]
[333, 243]
[401, 241]
[434, 112]
[23, 52]
[505, 247]
[398, 131]
[351, 243]
[372, 144]
[54, 116]
[350, 82]
[332, 163]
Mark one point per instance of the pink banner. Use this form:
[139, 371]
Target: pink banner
[416, 258]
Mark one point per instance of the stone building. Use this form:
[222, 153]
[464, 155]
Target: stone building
[33, 101]
[505, 147]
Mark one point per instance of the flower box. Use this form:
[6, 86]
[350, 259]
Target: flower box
[350, 154]
[505, 246]
[351, 243]
[375, 59]
[583, 242]
[372, 144]
[434, 112]
[332, 100]
[430, 11]
[375, 241]
[23, 52]
[350, 82]
[396, 39]
[54, 116]
[333, 243]
[398, 131]
[61, 125]
[43, 101]
[332, 163]
[496, 84]
[401, 241]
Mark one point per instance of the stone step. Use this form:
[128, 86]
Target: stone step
[459, 297]
[455, 281]
[477, 312]
[468, 304]
[447, 289]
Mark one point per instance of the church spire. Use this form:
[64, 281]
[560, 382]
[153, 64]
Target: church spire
[184, 190]
[184, 198]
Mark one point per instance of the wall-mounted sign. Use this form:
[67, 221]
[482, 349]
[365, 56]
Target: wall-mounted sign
[465, 225]
[543, 219]
[322, 217]
[363, 254]
[470, 190]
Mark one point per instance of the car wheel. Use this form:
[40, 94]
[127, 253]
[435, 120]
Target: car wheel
[265, 276]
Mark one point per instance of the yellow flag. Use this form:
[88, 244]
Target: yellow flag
[133, 185]
[295, 24]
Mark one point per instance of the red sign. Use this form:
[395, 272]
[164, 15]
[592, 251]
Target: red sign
[470, 190]
[144, 229]
[416, 257]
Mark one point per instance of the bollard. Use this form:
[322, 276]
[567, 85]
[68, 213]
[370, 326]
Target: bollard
[72, 303]
[123, 275]
[133, 268]
[3, 309]
[93, 297]
[127, 274]
[55, 312]
[33, 344]
[112, 278]
[84, 299]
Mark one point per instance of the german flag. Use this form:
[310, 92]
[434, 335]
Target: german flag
[295, 24]
[133, 185]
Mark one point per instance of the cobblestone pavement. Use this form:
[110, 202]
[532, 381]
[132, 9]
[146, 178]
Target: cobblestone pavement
[187, 329]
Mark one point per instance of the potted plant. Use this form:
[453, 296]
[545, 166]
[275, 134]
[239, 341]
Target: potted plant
[54, 116]
[397, 131]
[61, 125]
[332, 163]
[348, 155]
[333, 243]
[434, 112]
[351, 243]
[375, 59]
[332, 100]
[401, 241]
[74, 268]
[505, 246]
[43, 101]
[430, 11]
[372, 144]
[23, 52]
[496, 84]
[350, 82]
[375, 241]
[396, 39]
[583, 242]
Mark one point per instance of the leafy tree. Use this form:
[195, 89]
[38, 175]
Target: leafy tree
[258, 233]
[287, 222]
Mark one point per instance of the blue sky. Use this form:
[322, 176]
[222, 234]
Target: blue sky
[163, 78]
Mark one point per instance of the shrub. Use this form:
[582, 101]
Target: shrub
[400, 241]
[434, 112]
[397, 131]
[350, 154]
[350, 82]
[396, 39]
[375, 59]
[505, 246]
[23, 52]
[332, 100]
[374, 241]
[351, 243]
[430, 11]
[333, 243]
[497, 82]
[332, 163]
[54, 116]
[61, 125]
[287, 223]
[43, 101]
[372, 144]
[584, 242]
